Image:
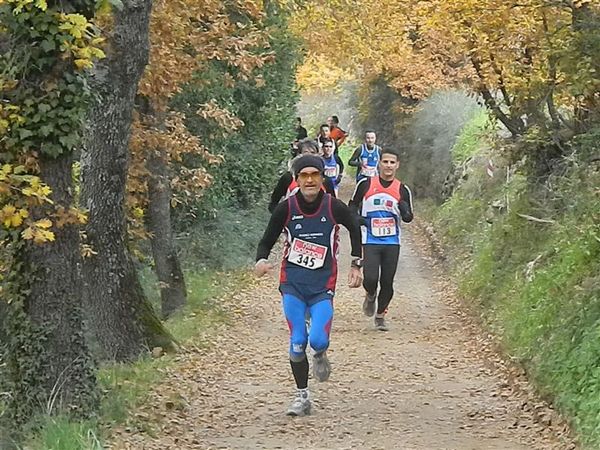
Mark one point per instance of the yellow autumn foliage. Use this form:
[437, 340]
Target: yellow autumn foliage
[529, 58]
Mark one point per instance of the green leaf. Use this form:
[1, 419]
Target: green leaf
[105, 5]
[45, 130]
[48, 45]
[24, 133]
[44, 108]
[69, 141]
[52, 149]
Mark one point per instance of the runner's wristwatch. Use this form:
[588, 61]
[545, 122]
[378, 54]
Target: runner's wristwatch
[357, 262]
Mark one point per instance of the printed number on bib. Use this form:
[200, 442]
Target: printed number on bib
[307, 254]
[369, 171]
[331, 172]
[381, 227]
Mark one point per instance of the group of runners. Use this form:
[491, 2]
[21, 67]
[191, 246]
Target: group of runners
[305, 208]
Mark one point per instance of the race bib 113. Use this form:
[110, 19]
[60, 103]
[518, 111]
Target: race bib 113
[383, 226]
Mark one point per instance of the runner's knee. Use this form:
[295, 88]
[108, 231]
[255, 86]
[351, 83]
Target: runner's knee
[319, 341]
[386, 292]
[370, 282]
[298, 348]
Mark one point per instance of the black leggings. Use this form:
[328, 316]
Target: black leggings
[379, 267]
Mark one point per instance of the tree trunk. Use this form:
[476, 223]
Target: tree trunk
[166, 262]
[586, 24]
[3, 313]
[512, 124]
[121, 320]
[49, 360]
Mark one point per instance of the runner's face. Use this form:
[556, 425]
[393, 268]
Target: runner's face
[310, 181]
[370, 139]
[388, 165]
[325, 132]
[330, 122]
[327, 150]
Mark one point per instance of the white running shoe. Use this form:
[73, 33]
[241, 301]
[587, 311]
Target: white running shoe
[301, 404]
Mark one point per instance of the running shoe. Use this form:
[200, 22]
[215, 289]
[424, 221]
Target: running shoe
[321, 366]
[369, 305]
[380, 324]
[300, 405]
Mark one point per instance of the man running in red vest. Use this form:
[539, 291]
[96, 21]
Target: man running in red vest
[382, 202]
[309, 219]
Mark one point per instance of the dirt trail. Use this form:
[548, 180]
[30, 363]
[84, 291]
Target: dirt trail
[422, 385]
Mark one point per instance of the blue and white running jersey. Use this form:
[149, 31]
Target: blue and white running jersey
[380, 208]
[369, 160]
[332, 169]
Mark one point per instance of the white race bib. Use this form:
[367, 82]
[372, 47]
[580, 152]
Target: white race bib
[331, 172]
[307, 254]
[382, 227]
[368, 171]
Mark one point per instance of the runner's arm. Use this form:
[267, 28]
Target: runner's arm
[280, 190]
[329, 187]
[354, 160]
[340, 163]
[357, 198]
[343, 138]
[405, 204]
[345, 217]
[273, 231]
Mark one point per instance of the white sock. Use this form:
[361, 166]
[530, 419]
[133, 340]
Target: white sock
[304, 393]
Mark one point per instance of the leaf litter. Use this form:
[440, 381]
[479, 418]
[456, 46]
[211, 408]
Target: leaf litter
[434, 381]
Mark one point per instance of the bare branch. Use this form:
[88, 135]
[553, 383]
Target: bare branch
[535, 219]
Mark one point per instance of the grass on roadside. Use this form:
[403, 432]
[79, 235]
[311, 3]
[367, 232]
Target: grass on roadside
[536, 284]
[126, 386]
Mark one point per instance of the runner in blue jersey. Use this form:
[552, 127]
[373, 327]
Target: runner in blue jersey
[334, 167]
[382, 202]
[309, 269]
[366, 157]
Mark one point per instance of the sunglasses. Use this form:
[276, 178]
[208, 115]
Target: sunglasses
[328, 146]
[306, 175]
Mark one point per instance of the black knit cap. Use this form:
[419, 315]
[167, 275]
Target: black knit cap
[308, 161]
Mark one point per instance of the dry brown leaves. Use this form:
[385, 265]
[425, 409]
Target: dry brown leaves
[434, 381]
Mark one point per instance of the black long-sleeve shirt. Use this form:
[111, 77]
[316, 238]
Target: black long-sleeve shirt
[354, 161]
[405, 204]
[341, 214]
[284, 182]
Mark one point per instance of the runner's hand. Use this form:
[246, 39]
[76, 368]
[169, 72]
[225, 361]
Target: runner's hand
[355, 277]
[262, 267]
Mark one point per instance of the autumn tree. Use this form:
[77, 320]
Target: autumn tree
[122, 321]
[185, 36]
[254, 148]
[530, 61]
[45, 48]
[366, 40]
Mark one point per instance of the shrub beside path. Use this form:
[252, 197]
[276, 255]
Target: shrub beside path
[432, 382]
